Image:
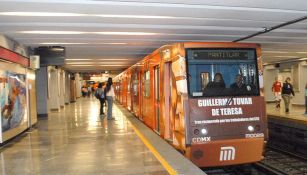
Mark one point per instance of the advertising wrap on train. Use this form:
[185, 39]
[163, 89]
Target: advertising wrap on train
[226, 118]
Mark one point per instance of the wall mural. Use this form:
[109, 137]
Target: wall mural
[12, 99]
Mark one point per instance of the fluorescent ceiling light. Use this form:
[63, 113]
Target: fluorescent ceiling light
[115, 59]
[125, 33]
[83, 65]
[275, 51]
[77, 59]
[82, 43]
[60, 43]
[107, 59]
[50, 14]
[285, 56]
[113, 65]
[39, 14]
[52, 32]
[99, 63]
[283, 52]
[80, 32]
[134, 16]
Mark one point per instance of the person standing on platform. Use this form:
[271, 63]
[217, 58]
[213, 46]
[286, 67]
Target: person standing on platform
[109, 91]
[101, 97]
[276, 88]
[84, 91]
[89, 91]
[287, 90]
[306, 99]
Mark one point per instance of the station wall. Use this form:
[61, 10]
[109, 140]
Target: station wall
[13, 45]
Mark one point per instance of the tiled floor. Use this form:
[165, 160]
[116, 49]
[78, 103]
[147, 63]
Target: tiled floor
[296, 112]
[76, 141]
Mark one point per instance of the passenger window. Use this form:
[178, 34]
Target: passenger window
[135, 84]
[147, 84]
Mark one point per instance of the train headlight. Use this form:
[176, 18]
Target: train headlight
[251, 128]
[204, 131]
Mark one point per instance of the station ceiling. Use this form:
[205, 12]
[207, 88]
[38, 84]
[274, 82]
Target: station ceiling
[112, 35]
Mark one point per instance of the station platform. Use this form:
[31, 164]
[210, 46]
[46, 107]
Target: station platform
[296, 113]
[76, 141]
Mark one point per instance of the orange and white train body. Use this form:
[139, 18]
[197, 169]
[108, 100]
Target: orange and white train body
[167, 90]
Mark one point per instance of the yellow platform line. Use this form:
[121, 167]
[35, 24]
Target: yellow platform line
[164, 163]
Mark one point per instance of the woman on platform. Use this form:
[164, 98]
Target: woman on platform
[110, 96]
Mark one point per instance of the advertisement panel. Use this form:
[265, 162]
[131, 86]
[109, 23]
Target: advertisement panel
[13, 100]
[213, 119]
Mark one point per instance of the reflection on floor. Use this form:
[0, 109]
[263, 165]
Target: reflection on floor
[296, 112]
[76, 141]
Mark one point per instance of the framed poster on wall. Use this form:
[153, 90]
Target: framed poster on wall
[13, 100]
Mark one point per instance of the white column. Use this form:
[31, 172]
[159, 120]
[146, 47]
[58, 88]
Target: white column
[78, 85]
[62, 87]
[67, 88]
[299, 98]
[54, 90]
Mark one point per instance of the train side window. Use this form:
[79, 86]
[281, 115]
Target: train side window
[135, 84]
[147, 84]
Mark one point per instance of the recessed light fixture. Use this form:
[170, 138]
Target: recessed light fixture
[61, 43]
[269, 51]
[125, 33]
[102, 59]
[39, 14]
[82, 43]
[115, 59]
[100, 62]
[113, 65]
[285, 56]
[54, 14]
[82, 65]
[53, 32]
[80, 32]
[97, 65]
[134, 16]
[77, 59]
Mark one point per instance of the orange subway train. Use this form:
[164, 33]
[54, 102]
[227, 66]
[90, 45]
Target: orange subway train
[204, 98]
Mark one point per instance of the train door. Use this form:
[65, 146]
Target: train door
[129, 106]
[157, 98]
[167, 101]
[141, 95]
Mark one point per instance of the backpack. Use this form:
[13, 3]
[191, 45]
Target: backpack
[100, 96]
[97, 94]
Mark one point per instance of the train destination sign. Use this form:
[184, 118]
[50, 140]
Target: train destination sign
[221, 54]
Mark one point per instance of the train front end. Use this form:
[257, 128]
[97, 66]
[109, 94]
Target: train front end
[226, 119]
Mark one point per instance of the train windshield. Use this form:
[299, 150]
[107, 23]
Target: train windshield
[222, 72]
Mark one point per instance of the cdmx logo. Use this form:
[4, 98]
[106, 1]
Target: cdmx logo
[227, 153]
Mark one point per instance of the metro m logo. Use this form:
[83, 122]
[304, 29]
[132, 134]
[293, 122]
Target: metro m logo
[227, 153]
